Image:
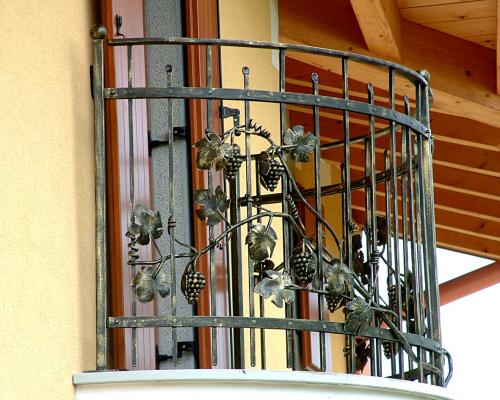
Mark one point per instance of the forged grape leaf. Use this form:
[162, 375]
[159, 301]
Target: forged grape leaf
[264, 162]
[162, 283]
[212, 149]
[145, 285]
[339, 278]
[303, 145]
[148, 225]
[360, 315]
[276, 285]
[213, 204]
[261, 241]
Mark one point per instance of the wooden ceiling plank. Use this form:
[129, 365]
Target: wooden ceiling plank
[466, 28]
[380, 23]
[425, 3]
[461, 223]
[459, 130]
[462, 76]
[498, 48]
[450, 12]
[446, 154]
[448, 238]
[488, 40]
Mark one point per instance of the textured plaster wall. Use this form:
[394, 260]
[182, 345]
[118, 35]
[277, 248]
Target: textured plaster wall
[46, 200]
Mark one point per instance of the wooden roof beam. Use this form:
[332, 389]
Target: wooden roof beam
[462, 73]
[469, 283]
[380, 24]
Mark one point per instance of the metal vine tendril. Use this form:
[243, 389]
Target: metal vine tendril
[339, 282]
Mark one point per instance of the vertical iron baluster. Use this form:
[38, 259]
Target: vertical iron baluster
[319, 225]
[394, 179]
[171, 218]
[261, 299]
[374, 256]
[98, 32]
[347, 190]
[236, 273]
[248, 155]
[290, 335]
[213, 282]
[131, 164]
[404, 222]
[422, 213]
[345, 230]
[427, 183]
[418, 220]
[388, 222]
[415, 266]
[369, 237]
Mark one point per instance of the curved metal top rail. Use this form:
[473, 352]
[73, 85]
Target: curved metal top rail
[269, 96]
[408, 73]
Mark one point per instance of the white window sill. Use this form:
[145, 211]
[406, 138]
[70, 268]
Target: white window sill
[247, 384]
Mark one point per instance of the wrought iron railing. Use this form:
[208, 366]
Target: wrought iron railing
[390, 297]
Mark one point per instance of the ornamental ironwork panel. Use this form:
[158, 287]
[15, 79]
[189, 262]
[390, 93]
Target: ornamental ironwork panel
[381, 271]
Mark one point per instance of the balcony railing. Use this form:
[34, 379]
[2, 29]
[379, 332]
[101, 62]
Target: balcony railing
[269, 226]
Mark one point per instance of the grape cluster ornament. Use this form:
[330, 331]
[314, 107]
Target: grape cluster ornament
[192, 283]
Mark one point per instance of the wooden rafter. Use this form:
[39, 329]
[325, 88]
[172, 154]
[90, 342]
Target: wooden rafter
[380, 23]
[469, 283]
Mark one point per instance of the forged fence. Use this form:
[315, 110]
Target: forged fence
[382, 270]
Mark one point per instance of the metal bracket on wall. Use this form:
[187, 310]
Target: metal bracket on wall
[226, 112]
[179, 132]
[91, 73]
[119, 23]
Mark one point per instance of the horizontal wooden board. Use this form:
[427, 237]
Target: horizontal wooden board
[423, 3]
[474, 21]
[451, 12]
[488, 40]
[466, 28]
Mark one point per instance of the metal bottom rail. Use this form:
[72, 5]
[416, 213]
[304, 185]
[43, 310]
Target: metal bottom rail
[266, 323]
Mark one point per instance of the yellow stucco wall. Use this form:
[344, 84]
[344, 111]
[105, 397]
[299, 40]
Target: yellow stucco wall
[46, 200]
[260, 23]
[256, 25]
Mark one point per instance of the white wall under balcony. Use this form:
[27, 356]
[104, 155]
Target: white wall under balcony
[247, 384]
